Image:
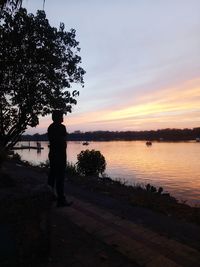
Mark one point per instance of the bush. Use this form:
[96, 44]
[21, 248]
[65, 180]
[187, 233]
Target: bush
[91, 162]
[44, 165]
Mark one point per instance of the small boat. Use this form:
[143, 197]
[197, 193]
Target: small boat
[148, 143]
[85, 143]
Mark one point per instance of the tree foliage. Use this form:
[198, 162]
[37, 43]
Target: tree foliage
[159, 135]
[38, 65]
[13, 3]
[91, 162]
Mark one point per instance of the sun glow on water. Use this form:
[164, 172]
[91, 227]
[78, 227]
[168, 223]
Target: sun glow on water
[174, 166]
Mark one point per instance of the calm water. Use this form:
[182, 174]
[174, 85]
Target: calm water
[174, 166]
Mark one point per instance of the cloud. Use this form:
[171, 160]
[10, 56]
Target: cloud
[168, 107]
[142, 62]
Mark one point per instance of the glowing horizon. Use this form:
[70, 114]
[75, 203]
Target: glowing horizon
[143, 70]
[177, 107]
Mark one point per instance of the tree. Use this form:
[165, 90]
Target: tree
[13, 3]
[38, 65]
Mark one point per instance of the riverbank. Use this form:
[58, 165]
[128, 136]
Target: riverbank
[146, 196]
[162, 164]
[138, 195]
[103, 230]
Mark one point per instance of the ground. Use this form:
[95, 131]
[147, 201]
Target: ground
[99, 230]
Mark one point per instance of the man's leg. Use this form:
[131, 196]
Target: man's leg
[51, 176]
[60, 177]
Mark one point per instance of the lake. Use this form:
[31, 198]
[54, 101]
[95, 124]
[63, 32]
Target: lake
[174, 166]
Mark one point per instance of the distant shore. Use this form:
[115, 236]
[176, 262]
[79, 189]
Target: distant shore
[153, 135]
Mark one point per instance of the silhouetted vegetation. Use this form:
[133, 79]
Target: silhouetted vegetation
[38, 63]
[158, 135]
[15, 4]
[71, 169]
[91, 162]
[141, 195]
[147, 196]
[11, 3]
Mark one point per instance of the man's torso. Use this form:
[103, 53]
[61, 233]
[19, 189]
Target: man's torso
[57, 139]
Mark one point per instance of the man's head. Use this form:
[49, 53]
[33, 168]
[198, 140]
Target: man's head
[57, 116]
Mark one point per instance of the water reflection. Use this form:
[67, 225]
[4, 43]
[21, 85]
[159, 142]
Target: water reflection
[175, 166]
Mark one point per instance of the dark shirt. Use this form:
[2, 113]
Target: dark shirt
[57, 137]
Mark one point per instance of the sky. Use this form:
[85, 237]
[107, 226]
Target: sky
[142, 62]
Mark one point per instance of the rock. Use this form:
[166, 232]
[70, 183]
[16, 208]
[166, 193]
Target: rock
[24, 222]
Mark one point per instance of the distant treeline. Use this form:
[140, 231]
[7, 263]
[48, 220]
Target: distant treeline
[160, 135]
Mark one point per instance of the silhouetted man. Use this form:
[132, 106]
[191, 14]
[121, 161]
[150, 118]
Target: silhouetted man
[57, 156]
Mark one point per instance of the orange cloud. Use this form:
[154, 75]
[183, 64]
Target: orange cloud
[177, 106]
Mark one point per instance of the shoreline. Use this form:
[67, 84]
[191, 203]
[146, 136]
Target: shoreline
[99, 226]
[127, 182]
[145, 196]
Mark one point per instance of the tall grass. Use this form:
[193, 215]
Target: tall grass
[71, 169]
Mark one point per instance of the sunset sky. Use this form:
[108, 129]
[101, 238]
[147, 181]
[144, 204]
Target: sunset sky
[142, 59]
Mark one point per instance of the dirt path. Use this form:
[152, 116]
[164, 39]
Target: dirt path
[100, 231]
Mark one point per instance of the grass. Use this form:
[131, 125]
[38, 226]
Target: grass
[147, 196]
